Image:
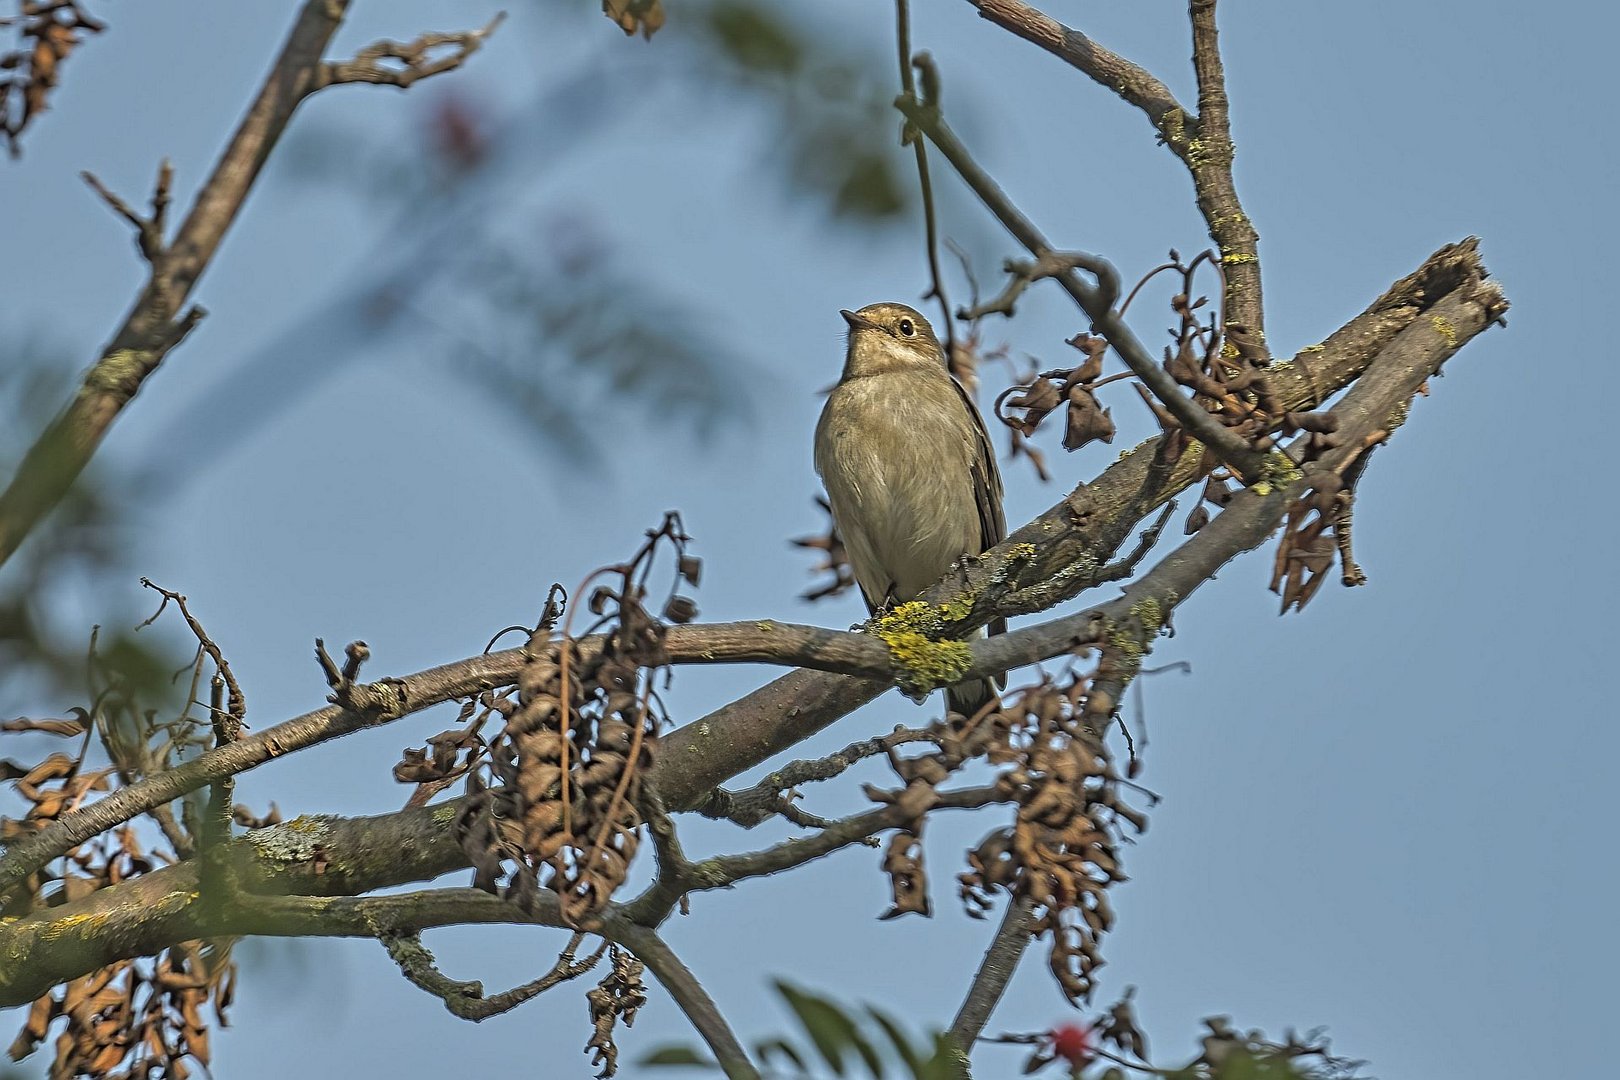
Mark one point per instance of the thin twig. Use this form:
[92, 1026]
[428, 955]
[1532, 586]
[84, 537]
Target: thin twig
[902, 15]
[467, 1000]
[417, 59]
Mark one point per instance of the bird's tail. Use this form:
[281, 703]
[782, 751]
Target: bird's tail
[968, 698]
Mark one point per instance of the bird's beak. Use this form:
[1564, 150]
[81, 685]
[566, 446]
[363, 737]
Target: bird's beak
[858, 322]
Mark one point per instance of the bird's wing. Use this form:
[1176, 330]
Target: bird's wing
[986, 488]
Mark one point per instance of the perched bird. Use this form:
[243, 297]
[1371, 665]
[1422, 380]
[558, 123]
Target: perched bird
[908, 467]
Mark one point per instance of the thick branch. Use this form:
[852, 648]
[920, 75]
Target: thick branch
[328, 860]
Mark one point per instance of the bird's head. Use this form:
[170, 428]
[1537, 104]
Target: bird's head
[889, 337]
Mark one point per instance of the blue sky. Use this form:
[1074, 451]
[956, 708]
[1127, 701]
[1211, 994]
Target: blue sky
[1389, 815]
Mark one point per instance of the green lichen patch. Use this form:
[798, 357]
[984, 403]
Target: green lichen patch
[1277, 471]
[922, 662]
[1443, 327]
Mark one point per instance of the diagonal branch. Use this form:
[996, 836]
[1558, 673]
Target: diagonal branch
[1132, 82]
[995, 972]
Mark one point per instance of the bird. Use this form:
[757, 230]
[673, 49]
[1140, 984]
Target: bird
[909, 470]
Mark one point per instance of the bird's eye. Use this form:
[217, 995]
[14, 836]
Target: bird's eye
[907, 328]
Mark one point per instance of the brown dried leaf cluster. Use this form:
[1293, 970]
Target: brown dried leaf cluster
[134, 1017]
[1023, 408]
[619, 996]
[1317, 530]
[557, 803]
[144, 1016]
[48, 31]
[1061, 850]
[645, 16]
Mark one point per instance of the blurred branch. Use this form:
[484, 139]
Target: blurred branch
[155, 324]
[430, 54]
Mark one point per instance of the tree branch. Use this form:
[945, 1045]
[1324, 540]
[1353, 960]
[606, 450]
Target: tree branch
[1061, 552]
[430, 54]
[995, 972]
[467, 999]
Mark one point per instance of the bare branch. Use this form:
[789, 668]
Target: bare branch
[771, 796]
[693, 1000]
[995, 972]
[1130, 81]
[428, 55]
[148, 230]
[155, 324]
[467, 999]
[902, 18]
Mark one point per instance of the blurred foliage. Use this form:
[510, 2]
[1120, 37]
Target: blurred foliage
[50, 585]
[835, 1039]
[528, 301]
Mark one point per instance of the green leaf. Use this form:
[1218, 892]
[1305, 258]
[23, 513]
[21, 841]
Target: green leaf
[678, 1055]
[765, 1048]
[829, 1029]
[755, 39]
[902, 1045]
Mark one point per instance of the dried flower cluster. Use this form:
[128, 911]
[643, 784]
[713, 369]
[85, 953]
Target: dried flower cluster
[619, 996]
[134, 1017]
[568, 767]
[1060, 853]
